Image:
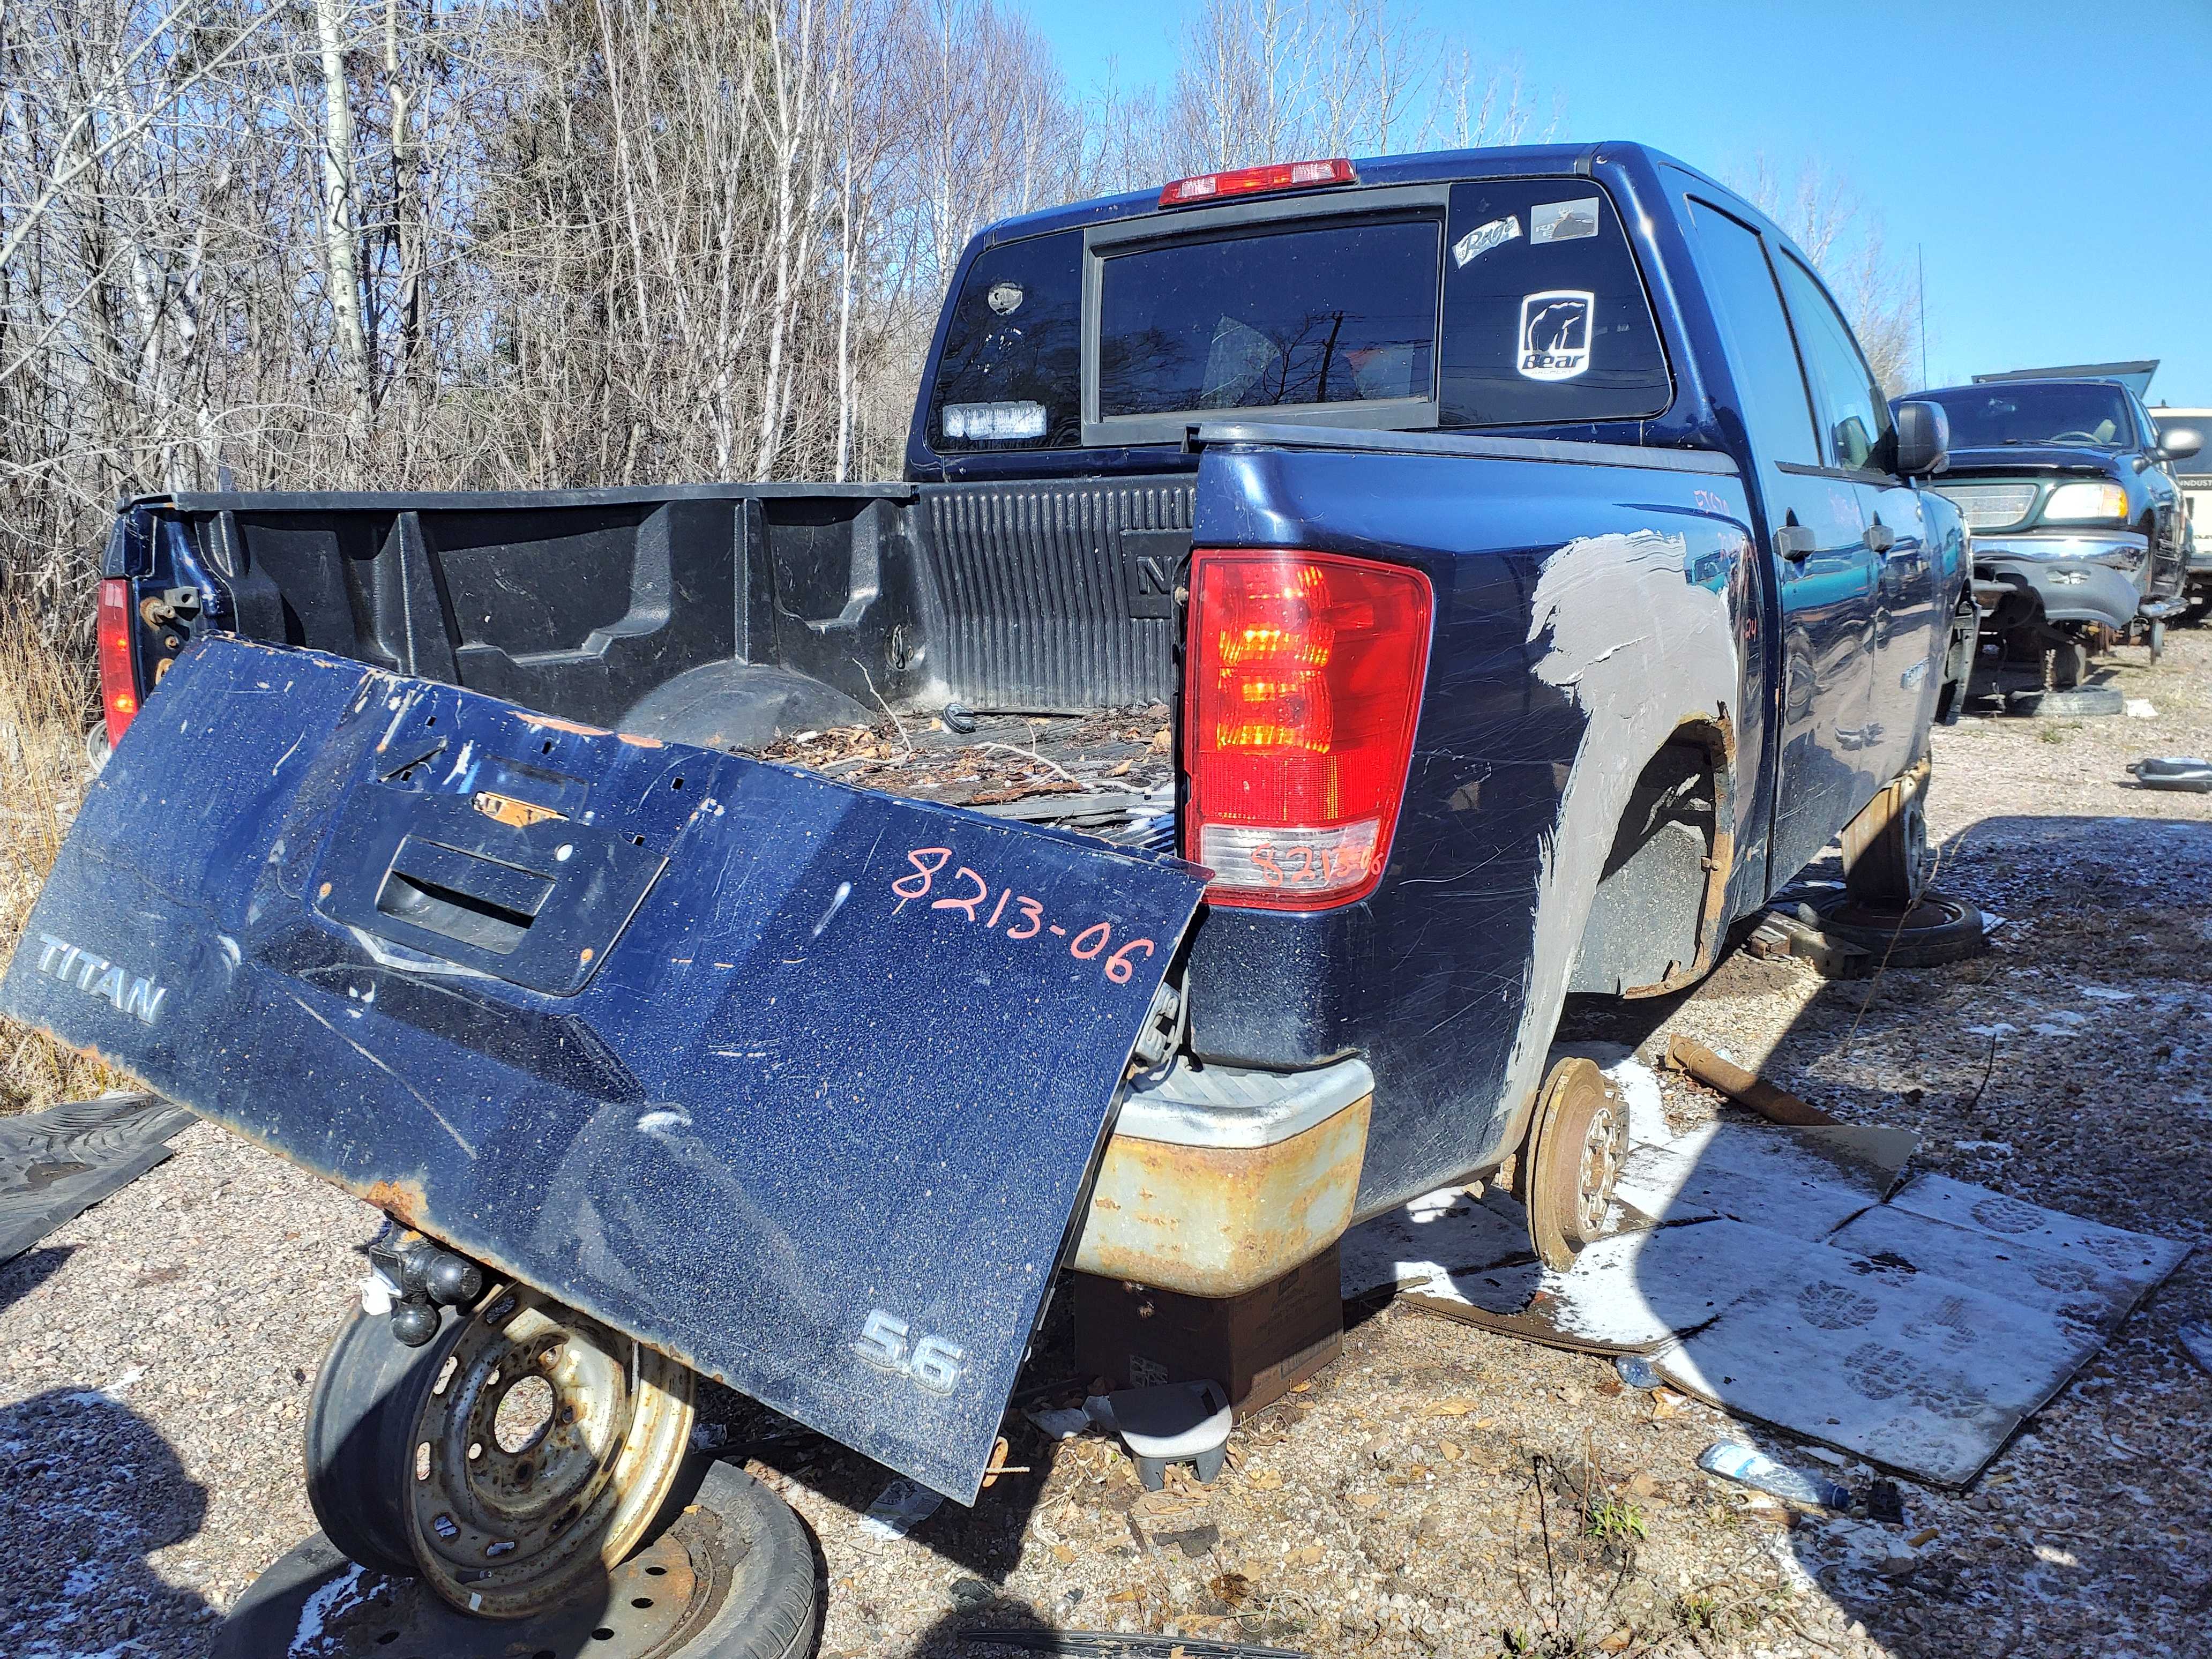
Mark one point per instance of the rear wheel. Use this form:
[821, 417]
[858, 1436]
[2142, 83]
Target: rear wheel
[1886, 847]
[1577, 1141]
[507, 1463]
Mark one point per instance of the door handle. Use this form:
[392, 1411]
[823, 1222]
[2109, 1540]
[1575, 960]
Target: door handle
[1879, 536]
[1794, 541]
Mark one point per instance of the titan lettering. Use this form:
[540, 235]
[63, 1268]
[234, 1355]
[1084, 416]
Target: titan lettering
[97, 976]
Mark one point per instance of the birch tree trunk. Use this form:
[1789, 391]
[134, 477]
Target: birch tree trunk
[341, 231]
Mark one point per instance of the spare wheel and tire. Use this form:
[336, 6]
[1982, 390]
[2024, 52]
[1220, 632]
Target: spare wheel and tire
[515, 1463]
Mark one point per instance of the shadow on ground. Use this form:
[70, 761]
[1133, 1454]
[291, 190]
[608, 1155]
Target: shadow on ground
[88, 1489]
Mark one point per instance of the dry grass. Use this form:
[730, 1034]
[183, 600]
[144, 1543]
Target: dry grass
[47, 700]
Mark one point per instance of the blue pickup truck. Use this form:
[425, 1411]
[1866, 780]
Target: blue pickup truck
[1331, 613]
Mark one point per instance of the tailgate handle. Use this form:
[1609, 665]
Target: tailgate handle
[461, 896]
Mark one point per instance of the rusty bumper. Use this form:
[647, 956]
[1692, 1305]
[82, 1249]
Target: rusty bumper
[1218, 1179]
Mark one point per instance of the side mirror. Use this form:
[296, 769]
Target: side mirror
[1923, 439]
[2178, 443]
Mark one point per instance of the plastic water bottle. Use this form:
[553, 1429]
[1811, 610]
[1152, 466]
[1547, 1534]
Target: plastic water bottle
[1733, 1461]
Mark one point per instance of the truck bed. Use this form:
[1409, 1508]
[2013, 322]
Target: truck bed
[1110, 774]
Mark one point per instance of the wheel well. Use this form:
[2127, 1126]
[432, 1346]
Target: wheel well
[1655, 921]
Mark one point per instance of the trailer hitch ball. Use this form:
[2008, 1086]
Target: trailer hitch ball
[413, 1322]
[453, 1279]
[426, 1277]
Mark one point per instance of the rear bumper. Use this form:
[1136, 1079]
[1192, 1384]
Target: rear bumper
[2065, 577]
[1218, 1180]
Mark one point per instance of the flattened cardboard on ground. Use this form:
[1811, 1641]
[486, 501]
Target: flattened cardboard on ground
[56, 1163]
[1782, 1274]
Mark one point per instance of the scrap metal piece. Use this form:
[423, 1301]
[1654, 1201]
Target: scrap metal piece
[1743, 1087]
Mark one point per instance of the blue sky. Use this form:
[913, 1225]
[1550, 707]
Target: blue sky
[2019, 143]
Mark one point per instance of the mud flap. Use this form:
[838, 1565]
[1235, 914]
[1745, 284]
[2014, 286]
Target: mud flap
[797, 1084]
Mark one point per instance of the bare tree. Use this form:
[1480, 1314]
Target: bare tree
[448, 243]
[1824, 214]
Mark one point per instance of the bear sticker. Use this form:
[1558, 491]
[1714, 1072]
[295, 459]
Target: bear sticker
[1555, 334]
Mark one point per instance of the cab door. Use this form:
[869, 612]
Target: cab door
[1823, 573]
[1906, 640]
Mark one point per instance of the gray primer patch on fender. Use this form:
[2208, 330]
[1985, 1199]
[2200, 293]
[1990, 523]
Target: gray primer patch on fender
[1639, 648]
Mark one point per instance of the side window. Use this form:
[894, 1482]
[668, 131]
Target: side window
[1009, 376]
[2146, 429]
[1853, 416]
[1762, 356]
[1545, 316]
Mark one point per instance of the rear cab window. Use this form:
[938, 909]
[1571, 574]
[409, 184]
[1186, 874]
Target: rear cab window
[1491, 304]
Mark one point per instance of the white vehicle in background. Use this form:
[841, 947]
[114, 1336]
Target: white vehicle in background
[2195, 476]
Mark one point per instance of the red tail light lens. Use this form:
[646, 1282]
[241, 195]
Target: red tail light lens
[1256, 181]
[118, 671]
[1304, 676]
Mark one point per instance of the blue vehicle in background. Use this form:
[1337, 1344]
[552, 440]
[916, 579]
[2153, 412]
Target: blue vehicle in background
[1423, 588]
[2080, 524]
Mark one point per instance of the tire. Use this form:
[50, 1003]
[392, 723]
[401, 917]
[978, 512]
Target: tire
[2074, 702]
[360, 1419]
[2157, 641]
[2070, 664]
[1937, 930]
[761, 1557]
[1885, 845]
[769, 1610]
[500, 1531]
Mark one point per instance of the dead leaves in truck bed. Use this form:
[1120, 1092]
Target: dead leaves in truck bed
[1110, 772]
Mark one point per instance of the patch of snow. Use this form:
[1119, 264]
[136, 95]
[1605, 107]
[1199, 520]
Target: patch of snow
[2002, 1029]
[2105, 993]
[340, 1595]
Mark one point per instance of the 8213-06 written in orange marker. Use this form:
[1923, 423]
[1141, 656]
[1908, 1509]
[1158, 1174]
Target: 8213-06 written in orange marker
[1028, 920]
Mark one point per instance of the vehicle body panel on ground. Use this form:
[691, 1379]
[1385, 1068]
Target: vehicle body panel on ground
[1682, 612]
[795, 1097]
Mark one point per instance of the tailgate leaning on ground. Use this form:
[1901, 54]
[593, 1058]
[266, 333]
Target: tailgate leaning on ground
[799, 1083]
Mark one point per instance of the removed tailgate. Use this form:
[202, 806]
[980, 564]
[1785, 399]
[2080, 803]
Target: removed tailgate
[797, 1083]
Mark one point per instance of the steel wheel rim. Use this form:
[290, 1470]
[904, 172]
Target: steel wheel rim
[1915, 834]
[509, 1526]
[1604, 1149]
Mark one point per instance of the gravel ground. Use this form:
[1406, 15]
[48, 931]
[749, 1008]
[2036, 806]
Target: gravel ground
[1440, 1490]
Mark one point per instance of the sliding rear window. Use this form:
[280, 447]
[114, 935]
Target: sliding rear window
[1339, 313]
[1497, 303]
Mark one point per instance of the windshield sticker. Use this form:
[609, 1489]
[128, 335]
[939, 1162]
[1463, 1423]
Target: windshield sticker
[1563, 222]
[1005, 297]
[1482, 238]
[1555, 334]
[994, 423]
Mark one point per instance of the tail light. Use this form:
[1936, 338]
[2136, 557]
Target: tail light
[1305, 674]
[1261, 180]
[118, 657]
